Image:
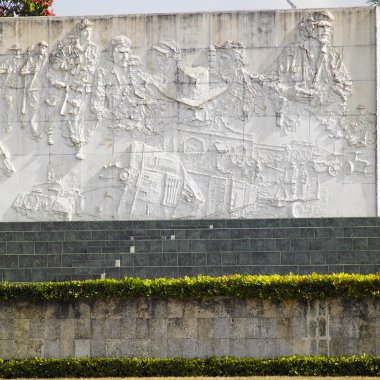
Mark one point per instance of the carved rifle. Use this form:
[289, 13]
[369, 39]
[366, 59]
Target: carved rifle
[64, 104]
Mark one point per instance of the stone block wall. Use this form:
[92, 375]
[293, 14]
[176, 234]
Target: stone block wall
[60, 251]
[170, 328]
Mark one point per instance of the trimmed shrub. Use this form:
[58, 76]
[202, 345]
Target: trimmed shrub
[275, 287]
[225, 366]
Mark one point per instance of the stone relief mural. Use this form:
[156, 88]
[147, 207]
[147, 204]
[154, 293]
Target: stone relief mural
[188, 135]
[59, 198]
[309, 75]
[8, 166]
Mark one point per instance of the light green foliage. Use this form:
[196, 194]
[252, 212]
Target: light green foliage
[275, 288]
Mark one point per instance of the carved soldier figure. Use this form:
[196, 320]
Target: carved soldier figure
[310, 74]
[243, 97]
[168, 57]
[121, 94]
[77, 57]
[80, 87]
[13, 86]
[35, 73]
[162, 85]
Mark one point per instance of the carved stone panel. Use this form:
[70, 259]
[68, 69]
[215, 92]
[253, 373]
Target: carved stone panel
[136, 118]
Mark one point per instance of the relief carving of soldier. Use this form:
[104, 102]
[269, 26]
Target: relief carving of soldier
[120, 91]
[164, 84]
[77, 57]
[35, 72]
[14, 84]
[309, 74]
[243, 96]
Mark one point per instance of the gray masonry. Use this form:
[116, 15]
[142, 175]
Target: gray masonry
[170, 328]
[58, 251]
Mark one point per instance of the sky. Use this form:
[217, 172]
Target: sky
[109, 7]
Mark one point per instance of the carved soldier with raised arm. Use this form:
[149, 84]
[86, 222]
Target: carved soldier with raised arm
[310, 74]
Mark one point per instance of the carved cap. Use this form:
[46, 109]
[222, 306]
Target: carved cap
[43, 44]
[321, 16]
[15, 47]
[84, 24]
[121, 40]
[231, 45]
[168, 46]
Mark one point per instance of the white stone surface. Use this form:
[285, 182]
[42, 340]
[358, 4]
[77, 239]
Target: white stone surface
[216, 115]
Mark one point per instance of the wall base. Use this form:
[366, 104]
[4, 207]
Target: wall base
[59, 251]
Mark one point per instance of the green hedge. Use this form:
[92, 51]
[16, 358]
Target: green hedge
[138, 367]
[275, 287]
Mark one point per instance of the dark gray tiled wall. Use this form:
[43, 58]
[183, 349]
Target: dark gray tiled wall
[58, 251]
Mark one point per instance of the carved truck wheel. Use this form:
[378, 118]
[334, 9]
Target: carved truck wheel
[369, 171]
[296, 210]
[334, 168]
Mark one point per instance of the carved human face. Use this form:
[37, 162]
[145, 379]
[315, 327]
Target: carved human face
[85, 34]
[121, 55]
[43, 50]
[323, 32]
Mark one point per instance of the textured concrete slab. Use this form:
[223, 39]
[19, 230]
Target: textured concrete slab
[213, 115]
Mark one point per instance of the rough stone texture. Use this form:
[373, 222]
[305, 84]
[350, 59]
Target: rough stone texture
[204, 328]
[47, 252]
[216, 115]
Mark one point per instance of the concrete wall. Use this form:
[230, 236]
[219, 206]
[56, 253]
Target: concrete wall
[196, 116]
[169, 328]
[59, 251]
